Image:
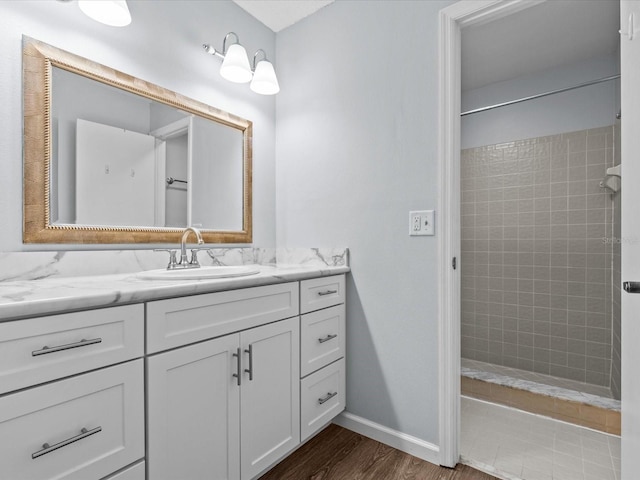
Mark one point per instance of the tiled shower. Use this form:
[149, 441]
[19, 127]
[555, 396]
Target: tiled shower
[540, 257]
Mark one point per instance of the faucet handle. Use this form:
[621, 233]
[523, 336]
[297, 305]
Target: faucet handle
[194, 257]
[172, 257]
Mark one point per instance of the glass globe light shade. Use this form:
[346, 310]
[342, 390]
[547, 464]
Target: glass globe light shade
[110, 12]
[235, 66]
[264, 80]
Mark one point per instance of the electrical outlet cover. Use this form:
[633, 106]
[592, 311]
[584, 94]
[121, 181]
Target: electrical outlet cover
[421, 222]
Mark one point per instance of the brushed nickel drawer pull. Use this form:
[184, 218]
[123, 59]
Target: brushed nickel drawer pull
[82, 343]
[46, 448]
[327, 338]
[327, 292]
[250, 369]
[239, 365]
[327, 398]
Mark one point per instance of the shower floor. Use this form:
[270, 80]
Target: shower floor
[570, 401]
[516, 445]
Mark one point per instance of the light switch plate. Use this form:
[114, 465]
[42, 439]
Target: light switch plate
[421, 222]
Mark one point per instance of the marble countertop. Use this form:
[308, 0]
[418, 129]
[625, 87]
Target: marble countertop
[27, 298]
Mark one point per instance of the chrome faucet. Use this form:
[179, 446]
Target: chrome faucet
[183, 248]
[184, 262]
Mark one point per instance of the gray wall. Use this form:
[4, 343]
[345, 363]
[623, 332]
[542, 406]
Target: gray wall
[536, 263]
[580, 109]
[162, 45]
[357, 150]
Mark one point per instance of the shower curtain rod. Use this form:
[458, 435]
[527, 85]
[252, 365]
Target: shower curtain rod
[539, 95]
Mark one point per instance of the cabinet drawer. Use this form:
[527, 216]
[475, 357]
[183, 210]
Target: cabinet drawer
[93, 425]
[41, 349]
[322, 338]
[135, 472]
[180, 321]
[322, 397]
[321, 292]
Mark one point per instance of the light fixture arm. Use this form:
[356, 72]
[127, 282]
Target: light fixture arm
[255, 56]
[224, 42]
[221, 54]
[211, 50]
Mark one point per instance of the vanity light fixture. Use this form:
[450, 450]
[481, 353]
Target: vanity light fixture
[114, 13]
[235, 67]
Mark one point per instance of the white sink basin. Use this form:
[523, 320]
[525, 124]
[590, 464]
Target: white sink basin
[200, 273]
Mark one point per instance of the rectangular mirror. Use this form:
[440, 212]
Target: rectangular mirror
[110, 158]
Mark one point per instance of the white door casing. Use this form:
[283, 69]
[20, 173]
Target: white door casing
[630, 154]
[452, 20]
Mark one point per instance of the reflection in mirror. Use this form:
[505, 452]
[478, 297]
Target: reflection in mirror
[127, 158]
[112, 152]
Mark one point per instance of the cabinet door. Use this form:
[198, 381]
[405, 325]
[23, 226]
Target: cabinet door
[323, 292]
[175, 322]
[322, 398]
[83, 427]
[322, 338]
[39, 350]
[270, 400]
[193, 416]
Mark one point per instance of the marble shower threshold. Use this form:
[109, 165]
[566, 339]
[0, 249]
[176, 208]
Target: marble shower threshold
[573, 406]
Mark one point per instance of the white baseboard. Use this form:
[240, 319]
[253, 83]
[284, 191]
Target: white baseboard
[403, 442]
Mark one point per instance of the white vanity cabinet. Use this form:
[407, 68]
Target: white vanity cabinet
[225, 408]
[86, 426]
[232, 382]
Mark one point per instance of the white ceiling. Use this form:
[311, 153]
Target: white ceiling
[552, 33]
[280, 14]
[547, 35]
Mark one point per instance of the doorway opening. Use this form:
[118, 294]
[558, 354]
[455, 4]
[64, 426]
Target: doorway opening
[539, 202]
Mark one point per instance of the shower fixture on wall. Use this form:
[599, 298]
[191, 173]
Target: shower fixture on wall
[235, 66]
[611, 180]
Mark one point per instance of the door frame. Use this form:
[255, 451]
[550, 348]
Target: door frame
[451, 21]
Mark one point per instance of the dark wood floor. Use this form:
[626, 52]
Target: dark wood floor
[340, 454]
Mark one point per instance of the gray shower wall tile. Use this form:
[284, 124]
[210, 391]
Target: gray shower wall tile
[534, 228]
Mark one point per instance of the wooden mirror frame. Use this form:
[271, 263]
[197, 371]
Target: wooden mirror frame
[38, 59]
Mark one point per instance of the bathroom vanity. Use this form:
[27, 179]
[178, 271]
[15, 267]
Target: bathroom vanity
[198, 379]
[138, 375]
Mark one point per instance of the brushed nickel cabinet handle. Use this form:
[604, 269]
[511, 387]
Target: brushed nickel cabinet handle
[327, 338]
[327, 292]
[239, 360]
[631, 287]
[46, 448]
[82, 343]
[327, 398]
[250, 369]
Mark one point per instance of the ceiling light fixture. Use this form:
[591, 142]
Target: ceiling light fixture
[235, 67]
[110, 12]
